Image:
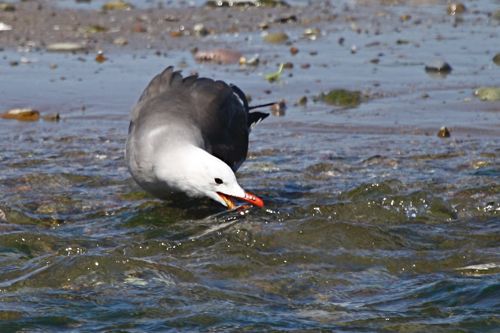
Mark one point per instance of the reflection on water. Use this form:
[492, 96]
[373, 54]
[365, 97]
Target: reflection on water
[372, 222]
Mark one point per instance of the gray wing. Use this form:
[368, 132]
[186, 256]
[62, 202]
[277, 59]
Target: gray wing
[209, 105]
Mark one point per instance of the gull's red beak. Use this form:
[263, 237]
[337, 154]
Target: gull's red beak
[249, 197]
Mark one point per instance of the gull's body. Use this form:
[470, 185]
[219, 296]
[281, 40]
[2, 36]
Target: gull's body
[190, 135]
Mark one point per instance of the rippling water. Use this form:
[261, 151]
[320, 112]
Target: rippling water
[372, 223]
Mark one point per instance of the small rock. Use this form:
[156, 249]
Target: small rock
[276, 37]
[24, 114]
[65, 47]
[3, 216]
[278, 109]
[443, 132]
[294, 50]
[52, 117]
[117, 5]
[488, 93]
[438, 66]
[496, 59]
[120, 41]
[220, 56]
[456, 8]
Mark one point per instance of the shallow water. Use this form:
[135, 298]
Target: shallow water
[372, 222]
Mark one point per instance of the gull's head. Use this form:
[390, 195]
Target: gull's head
[198, 174]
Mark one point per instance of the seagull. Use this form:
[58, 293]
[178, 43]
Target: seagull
[190, 135]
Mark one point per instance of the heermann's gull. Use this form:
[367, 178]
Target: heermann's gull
[190, 135]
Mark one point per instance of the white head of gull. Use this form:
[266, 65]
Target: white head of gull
[190, 135]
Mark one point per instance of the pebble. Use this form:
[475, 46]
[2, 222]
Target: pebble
[65, 47]
[438, 66]
[52, 117]
[200, 30]
[278, 109]
[496, 59]
[120, 41]
[443, 132]
[23, 114]
[456, 8]
[294, 50]
[100, 57]
[276, 37]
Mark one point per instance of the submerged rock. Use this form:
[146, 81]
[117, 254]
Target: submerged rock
[341, 97]
[24, 114]
[488, 93]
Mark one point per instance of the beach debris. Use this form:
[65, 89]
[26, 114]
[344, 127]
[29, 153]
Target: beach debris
[443, 132]
[438, 66]
[275, 37]
[279, 109]
[275, 76]
[341, 97]
[220, 56]
[66, 47]
[488, 93]
[22, 114]
[5, 27]
[455, 8]
[117, 5]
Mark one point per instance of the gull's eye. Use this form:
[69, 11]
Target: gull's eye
[218, 181]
